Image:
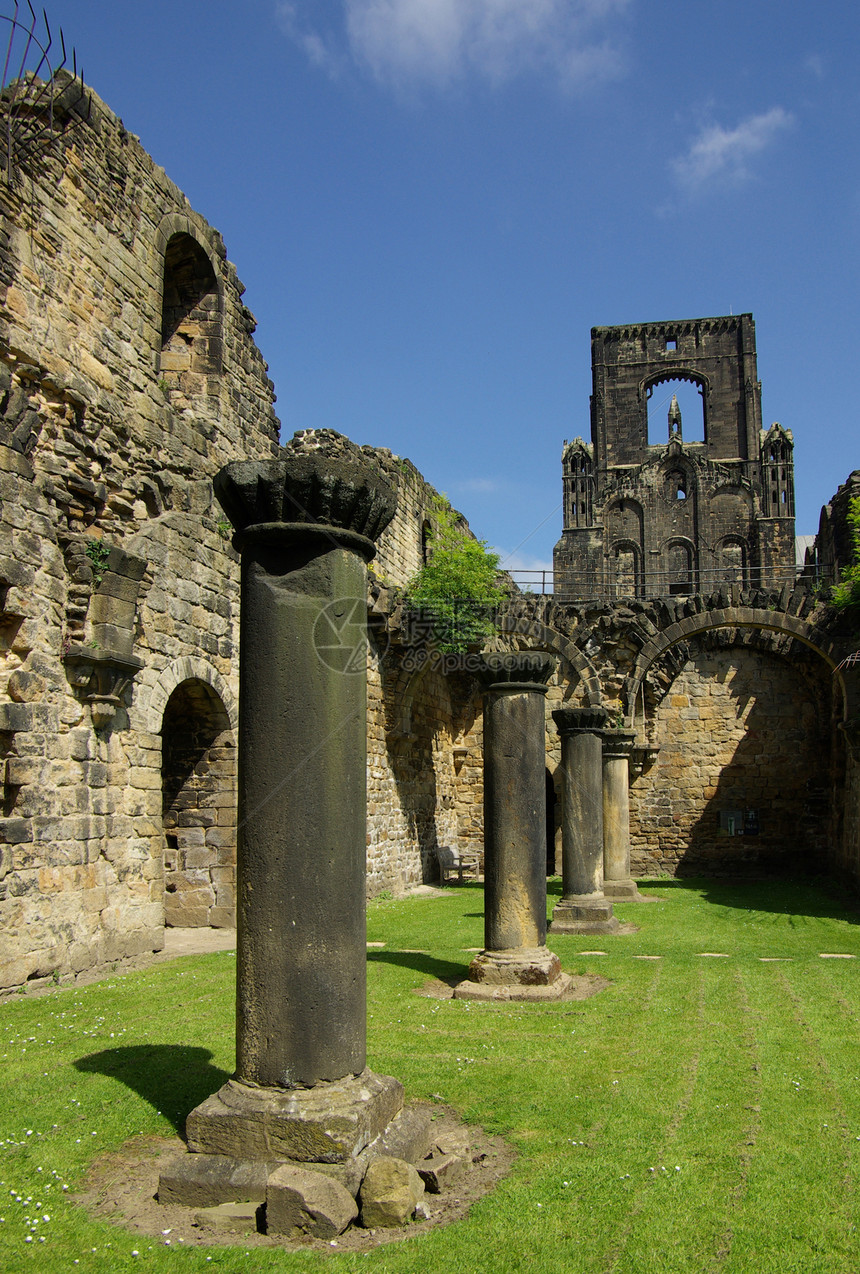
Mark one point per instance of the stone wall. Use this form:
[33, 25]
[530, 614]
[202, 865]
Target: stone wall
[742, 774]
[117, 585]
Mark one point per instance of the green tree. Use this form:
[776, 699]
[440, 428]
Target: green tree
[456, 593]
[847, 592]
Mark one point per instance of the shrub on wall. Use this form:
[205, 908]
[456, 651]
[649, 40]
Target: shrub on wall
[455, 594]
[847, 592]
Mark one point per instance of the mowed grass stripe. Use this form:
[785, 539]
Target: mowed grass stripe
[685, 1213]
[646, 1186]
[749, 1066]
[792, 1219]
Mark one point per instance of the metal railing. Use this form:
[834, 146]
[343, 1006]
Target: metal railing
[645, 584]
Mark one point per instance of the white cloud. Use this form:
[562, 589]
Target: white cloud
[320, 49]
[516, 561]
[437, 42]
[724, 154]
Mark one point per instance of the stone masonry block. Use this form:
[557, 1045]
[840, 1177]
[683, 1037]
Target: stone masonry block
[300, 1201]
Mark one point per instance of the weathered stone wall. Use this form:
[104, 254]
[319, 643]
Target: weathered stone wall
[738, 731]
[414, 776]
[114, 568]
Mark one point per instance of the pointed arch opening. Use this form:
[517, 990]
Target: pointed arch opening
[676, 409]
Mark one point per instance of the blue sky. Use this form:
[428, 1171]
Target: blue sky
[431, 202]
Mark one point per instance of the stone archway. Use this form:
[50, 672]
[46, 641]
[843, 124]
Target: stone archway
[198, 775]
[709, 619]
[553, 826]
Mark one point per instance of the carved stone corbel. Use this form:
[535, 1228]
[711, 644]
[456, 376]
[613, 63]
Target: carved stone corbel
[101, 678]
[642, 758]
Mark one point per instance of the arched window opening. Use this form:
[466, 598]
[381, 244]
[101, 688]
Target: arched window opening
[426, 538]
[190, 358]
[627, 578]
[676, 409]
[732, 562]
[680, 568]
[676, 485]
[198, 788]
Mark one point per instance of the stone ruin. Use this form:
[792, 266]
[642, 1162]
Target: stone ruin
[129, 377]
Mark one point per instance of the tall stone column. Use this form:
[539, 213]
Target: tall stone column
[583, 907]
[515, 964]
[305, 526]
[617, 881]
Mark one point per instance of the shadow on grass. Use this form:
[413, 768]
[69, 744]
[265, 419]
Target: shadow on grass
[811, 897]
[429, 965]
[173, 1078]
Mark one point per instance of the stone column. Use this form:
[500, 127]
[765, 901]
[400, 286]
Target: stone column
[617, 882]
[516, 964]
[305, 526]
[583, 907]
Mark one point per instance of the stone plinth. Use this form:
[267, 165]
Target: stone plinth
[331, 1123]
[617, 881]
[583, 907]
[305, 527]
[515, 963]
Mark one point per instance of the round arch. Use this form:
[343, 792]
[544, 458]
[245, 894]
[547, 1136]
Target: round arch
[730, 617]
[188, 668]
[541, 636]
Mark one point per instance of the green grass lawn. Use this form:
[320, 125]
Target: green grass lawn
[702, 1114]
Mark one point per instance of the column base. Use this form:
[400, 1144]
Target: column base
[329, 1123]
[622, 889]
[585, 913]
[520, 974]
[204, 1179]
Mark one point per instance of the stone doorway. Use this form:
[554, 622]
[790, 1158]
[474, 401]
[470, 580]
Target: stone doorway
[553, 825]
[198, 784]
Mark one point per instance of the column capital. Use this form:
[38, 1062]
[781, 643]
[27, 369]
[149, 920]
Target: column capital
[580, 720]
[515, 671]
[308, 490]
[618, 743]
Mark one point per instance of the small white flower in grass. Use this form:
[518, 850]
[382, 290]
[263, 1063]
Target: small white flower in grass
[135, 1252]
